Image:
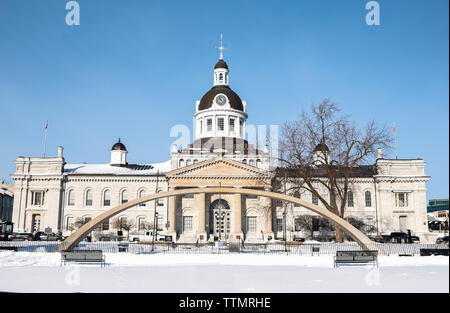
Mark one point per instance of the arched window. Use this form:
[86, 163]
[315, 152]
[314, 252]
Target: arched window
[159, 202]
[258, 163]
[251, 162]
[106, 198]
[195, 161]
[181, 163]
[124, 197]
[140, 195]
[244, 161]
[350, 199]
[368, 197]
[89, 198]
[71, 198]
[188, 162]
[221, 76]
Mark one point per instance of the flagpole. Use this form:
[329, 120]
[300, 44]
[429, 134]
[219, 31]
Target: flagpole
[45, 138]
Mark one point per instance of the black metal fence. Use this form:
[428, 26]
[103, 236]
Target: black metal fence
[254, 248]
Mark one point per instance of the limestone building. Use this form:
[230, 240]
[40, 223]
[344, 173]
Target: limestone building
[49, 192]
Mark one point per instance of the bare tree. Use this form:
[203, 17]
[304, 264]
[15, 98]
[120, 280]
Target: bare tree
[322, 151]
[146, 225]
[79, 222]
[123, 224]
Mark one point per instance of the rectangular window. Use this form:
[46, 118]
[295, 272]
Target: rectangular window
[37, 198]
[251, 224]
[105, 225]
[70, 223]
[297, 225]
[401, 199]
[160, 224]
[241, 127]
[350, 203]
[209, 124]
[315, 200]
[220, 124]
[231, 125]
[141, 223]
[187, 223]
[279, 224]
[315, 224]
[188, 196]
[252, 197]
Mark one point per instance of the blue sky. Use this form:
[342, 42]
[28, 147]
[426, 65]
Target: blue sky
[135, 68]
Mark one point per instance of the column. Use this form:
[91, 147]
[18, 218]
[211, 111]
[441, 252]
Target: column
[237, 208]
[171, 217]
[199, 202]
[268, 217]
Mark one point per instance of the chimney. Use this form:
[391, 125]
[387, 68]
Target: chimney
[60, 151]
[380, 153]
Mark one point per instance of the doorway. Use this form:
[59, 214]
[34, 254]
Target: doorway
[219, 219]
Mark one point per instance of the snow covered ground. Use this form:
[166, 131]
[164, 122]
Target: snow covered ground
[41, 272]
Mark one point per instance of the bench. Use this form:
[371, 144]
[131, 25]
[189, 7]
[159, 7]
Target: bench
[428, 252]
[9, 248]
[358, 257]
[85, 256]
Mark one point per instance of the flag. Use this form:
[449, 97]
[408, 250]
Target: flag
[46, 124]
[394, 127]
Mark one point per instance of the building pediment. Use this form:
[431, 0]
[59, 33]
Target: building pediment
[218, 170]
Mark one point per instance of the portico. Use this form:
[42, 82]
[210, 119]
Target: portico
[209, 216]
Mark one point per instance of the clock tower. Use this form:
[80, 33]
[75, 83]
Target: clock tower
[220, 112]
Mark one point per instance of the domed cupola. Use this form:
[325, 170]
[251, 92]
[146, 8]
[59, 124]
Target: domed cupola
[221, 64]
[220, 112]
[321, 153]
[118, 154]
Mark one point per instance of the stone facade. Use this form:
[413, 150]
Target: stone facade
[50, 193]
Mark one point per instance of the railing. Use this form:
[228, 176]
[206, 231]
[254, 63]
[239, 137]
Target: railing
[188, 248]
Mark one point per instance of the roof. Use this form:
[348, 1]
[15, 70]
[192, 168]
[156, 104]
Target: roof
[320, 171]
[207, 100]
[107, 169]
[321, 147]
[119, 146]
[221, 64]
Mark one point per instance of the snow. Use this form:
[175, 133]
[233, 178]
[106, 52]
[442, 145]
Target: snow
[136, 169]
[125, 272]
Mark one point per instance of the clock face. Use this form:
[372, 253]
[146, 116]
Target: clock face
[221, 99]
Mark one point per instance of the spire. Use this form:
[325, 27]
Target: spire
[221, 48]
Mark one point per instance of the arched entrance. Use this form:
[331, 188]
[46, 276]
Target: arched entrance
[365, 243]
[219, 219]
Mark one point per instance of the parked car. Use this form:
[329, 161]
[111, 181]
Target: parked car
[21, 237]
[442, 240]
[110, 237]
[41, 236]
[298, 239]
[397, 237]
[147, 236]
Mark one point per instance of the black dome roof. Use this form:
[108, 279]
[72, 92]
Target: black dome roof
[321, 147]
[221, 64]
[119, 146]
[207, 100]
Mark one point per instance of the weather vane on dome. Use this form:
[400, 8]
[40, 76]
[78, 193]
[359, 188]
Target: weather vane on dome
[221, 48]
